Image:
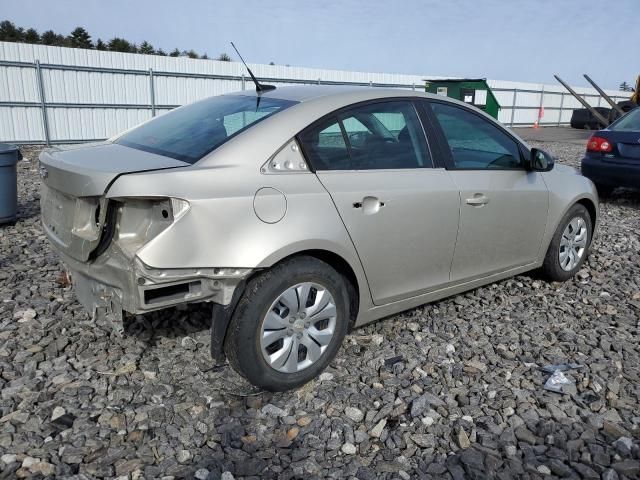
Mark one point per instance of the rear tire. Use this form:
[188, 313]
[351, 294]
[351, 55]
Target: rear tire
[569, 246]
[271, 324]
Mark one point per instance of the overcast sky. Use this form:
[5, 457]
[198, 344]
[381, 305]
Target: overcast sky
[499, 39]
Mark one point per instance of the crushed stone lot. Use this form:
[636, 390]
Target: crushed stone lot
[452, 389]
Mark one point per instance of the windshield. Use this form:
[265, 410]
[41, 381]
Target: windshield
[628, 123]
[190, 132]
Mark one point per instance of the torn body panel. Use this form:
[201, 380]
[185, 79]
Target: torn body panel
[73, 224]
[114, 283]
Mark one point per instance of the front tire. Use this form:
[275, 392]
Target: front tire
[289, 324]
[569, 246]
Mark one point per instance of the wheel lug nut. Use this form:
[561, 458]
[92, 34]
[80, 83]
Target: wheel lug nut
[302, 315]
[299, 335]
[306, 324]
[292, 319]
[290, 331]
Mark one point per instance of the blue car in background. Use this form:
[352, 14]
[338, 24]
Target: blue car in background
[613, 155]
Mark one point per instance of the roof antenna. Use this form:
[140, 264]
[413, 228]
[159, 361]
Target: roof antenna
[259, 87]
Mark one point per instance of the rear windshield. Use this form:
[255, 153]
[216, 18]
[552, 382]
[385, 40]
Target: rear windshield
[628, 123]
[190, 132]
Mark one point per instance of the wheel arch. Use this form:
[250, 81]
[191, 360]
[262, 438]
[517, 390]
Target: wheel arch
[342, 266]
[358, 291]
[591, 208]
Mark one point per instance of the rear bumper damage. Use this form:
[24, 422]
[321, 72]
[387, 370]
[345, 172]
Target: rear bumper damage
[113, 284]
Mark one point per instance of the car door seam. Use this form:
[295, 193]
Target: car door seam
[546, 225]
[455, 247]
[364, 272]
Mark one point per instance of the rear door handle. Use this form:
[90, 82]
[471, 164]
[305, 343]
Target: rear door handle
[478, 200]
[369, 205]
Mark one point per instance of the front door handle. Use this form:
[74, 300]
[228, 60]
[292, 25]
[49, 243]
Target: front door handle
[478, 200]
[369, 205]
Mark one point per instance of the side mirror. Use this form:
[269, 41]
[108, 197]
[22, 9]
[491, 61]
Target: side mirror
[540, 161]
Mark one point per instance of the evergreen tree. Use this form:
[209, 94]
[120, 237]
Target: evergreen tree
[117, 44]
[32, 36]
[52, 38]
[146, 48]
[10, 33]
[80, 38]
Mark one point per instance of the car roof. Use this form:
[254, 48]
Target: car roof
[315, 101]
[349, 93]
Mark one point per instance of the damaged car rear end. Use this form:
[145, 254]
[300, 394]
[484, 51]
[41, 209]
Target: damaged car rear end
[99, 235]
[107, 209]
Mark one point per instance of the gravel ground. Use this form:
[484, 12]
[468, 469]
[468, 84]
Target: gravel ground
[450, 389]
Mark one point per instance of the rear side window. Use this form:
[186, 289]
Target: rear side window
[628, 123]
[381, 135]
[190, 132]
[325, 146]
[475, 143]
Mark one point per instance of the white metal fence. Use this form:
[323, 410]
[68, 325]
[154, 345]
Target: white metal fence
[64, 95]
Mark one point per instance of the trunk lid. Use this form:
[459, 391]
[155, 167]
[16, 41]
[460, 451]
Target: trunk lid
[87, 170]
[74, 181]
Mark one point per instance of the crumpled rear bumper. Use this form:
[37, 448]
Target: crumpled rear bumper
[102, 301]
[113, 283]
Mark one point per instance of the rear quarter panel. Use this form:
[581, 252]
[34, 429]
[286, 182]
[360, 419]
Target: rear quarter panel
[221, 229]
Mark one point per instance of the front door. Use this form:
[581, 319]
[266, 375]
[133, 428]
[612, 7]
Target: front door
[401, 213]
[504, 207]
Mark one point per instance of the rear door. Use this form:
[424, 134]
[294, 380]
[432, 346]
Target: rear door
[503, 207]
[401, 213]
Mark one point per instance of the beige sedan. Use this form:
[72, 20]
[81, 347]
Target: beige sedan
[301, 212]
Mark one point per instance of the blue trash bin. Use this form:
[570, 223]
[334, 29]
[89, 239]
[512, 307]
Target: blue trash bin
[9, 157]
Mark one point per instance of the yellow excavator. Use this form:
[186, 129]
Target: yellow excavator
[617, 109]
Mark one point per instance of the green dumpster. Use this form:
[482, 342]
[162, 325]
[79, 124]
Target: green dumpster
[474, 91]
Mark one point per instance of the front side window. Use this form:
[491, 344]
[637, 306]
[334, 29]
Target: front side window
[190, 132]
[475, 143]
[381, 135]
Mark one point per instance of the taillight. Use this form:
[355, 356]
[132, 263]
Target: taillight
[599, 144]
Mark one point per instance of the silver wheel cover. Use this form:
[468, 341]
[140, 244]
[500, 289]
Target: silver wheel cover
[573, 244]
[298, 327]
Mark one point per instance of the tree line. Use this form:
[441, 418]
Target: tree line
[80, 38]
